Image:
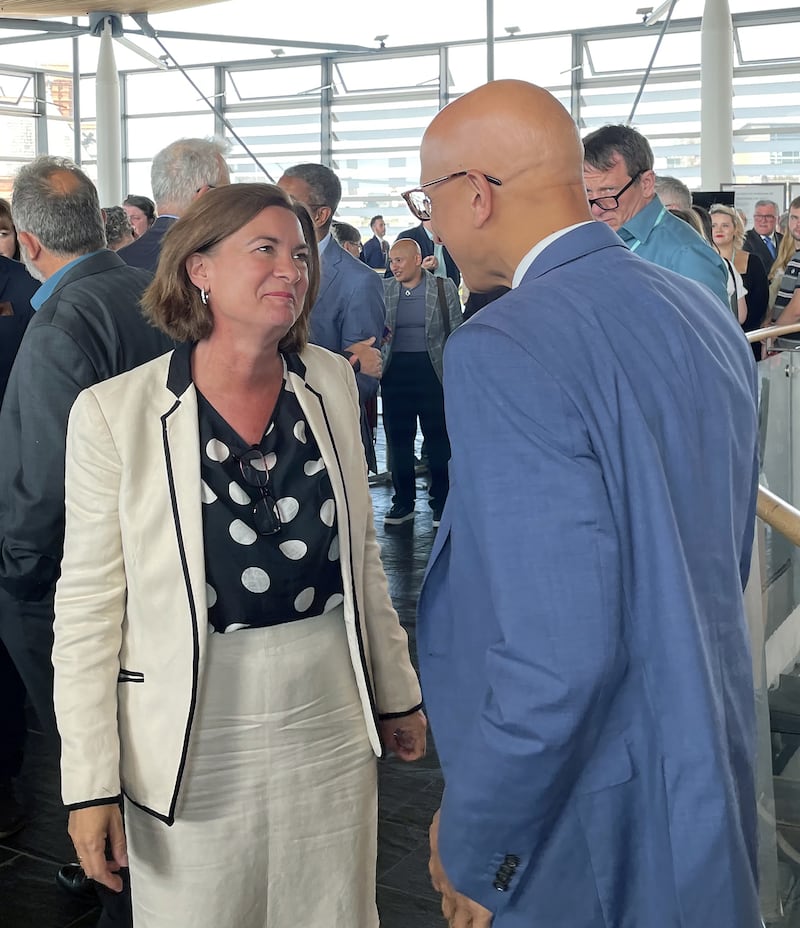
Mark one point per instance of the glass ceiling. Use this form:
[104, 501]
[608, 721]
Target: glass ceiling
[414, 22]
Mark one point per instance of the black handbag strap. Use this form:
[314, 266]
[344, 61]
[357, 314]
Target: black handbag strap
[443, 307]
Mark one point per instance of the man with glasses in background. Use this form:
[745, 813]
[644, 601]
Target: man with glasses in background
[763, 239]
[180, 173]
[620, 182]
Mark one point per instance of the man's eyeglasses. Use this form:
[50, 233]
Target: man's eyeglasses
[765, 216]
[611, 201]
[419, 202]
[255, 473]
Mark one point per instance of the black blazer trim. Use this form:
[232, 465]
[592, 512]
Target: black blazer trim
[359, 637]
[106, 801]
[384, 716]
[170, 818]
[166, 819]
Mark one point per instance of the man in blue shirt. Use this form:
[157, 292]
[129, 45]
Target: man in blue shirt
[620, 182]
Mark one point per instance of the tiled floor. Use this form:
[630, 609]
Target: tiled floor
[408, 796]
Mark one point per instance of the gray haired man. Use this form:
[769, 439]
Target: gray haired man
[88, 328]
[763, 239]
[180, 173]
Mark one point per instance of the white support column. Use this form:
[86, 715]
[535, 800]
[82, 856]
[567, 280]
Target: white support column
[109, 146]
[716, 96]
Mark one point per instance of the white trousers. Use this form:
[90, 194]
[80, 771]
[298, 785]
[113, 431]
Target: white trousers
[276, 824]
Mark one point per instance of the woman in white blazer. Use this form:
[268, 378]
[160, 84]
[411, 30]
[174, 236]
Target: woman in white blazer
[227, 658]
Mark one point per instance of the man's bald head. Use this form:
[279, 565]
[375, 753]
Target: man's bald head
[408, 246]
[521, 135]
[405, 262]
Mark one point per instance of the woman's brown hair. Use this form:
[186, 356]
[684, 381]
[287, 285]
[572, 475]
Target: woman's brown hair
[172, 302]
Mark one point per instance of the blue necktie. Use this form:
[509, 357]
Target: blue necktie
[770, 246]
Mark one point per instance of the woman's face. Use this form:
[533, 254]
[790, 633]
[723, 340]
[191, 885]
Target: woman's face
[8, 239]
[138, 219]
[722, 229]
[257, 278]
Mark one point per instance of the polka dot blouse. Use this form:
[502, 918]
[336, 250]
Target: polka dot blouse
[269, 521]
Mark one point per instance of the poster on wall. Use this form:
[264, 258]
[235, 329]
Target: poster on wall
[747, 195]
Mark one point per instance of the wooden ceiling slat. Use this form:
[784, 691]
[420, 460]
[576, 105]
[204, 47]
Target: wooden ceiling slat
[33, 9]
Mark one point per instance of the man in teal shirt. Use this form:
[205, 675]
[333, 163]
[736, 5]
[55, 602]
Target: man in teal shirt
[620, 182]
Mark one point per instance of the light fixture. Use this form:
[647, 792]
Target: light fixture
[512, 31]
[658, 13]
[644, 12]
[382, 39]
[277, 52]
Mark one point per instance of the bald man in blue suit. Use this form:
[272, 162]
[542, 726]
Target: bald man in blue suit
[584, 655]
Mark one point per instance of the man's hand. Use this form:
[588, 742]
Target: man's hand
[369, 358]
[459, 910]
[405, 737]
[430, 263]
[89, 829]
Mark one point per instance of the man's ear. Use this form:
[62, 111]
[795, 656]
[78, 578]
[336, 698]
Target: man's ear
[481, 203]
[648, 182]
[30, 243]
[197, 270]
[322, 217]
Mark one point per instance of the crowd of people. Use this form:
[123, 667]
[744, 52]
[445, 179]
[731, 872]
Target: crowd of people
[191, 592]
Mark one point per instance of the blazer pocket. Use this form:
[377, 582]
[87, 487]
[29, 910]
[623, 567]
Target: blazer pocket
[130, 676]
[611, 766]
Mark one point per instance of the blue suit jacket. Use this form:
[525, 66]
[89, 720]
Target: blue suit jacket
[349, 308]
[146, 250]
[372, 254]
[584, 656]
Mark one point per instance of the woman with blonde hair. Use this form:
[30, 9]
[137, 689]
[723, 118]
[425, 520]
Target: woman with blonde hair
[226, 654]
[752, 286]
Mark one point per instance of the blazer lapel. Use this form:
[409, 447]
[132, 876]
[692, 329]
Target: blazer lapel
[181, 439]
[330, 267]
[431, 299]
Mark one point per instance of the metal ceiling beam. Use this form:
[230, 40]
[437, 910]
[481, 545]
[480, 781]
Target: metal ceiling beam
[40, 24]
[19, 39]
[250, 40]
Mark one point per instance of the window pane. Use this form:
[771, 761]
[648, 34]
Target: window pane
[466, 68]
[386, 74]
[8, 168]
[759, 43]
[168, 91]
[268, 83]
[380, 127]
[60, 138]
[19, 137]
[282, 135]
[16, 90]
[541, 61]
[633, 53]
[148, 135]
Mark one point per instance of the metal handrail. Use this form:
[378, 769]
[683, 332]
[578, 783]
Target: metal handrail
[779, 514]
[773, 510]
[773, 331]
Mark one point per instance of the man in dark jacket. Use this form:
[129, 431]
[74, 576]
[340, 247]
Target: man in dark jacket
[16, 289]
[88, 328]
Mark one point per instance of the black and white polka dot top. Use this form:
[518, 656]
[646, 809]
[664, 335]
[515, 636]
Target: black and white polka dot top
[269, 521]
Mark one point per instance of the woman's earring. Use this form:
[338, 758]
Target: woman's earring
[204, 296]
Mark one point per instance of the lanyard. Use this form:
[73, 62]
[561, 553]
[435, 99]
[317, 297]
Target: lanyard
[637, 241]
